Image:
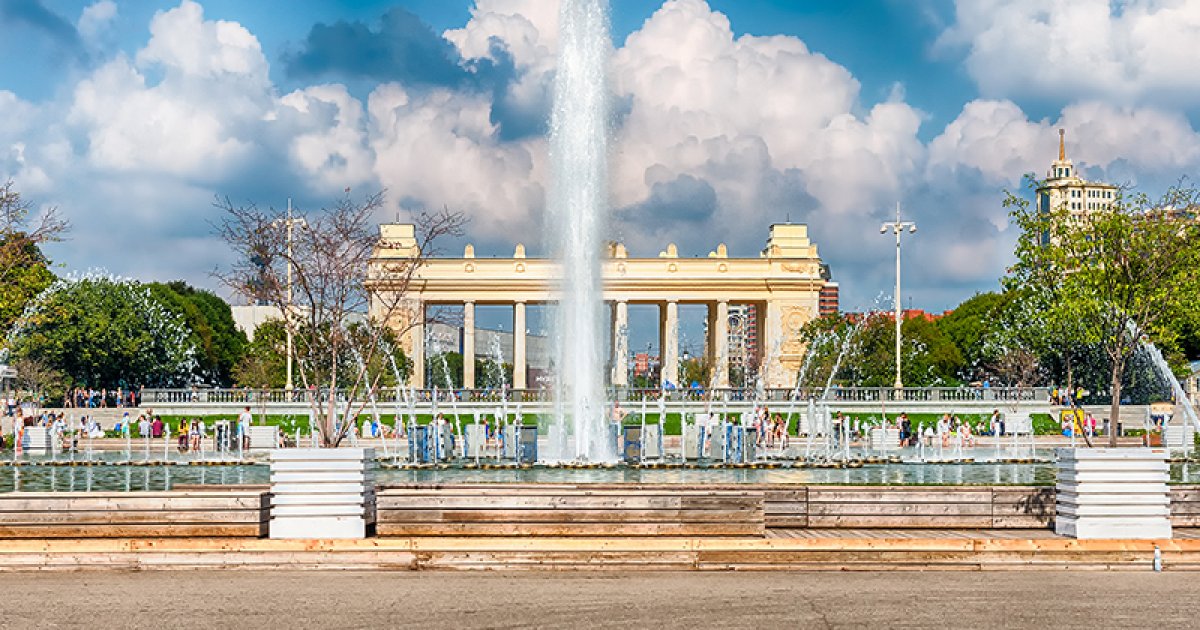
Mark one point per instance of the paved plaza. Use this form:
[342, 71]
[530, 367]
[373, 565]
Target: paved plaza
[297, 599]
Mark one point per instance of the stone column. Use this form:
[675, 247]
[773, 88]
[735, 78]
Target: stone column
[519, 368]
[468, 345]
[416, 346]
[770, 339]
[620, 345]
[669, 343]
[719, 332]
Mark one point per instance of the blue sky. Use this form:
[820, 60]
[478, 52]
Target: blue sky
[884, 42]
[731, 115]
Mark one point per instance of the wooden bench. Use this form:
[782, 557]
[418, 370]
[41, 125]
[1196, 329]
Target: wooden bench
[566, 511]
[133, 514]
[900, 506]
[1022, 507]
[1185, 506]
[784, 505]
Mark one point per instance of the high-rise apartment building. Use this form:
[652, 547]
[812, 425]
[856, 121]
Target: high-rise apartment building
[1064, 189]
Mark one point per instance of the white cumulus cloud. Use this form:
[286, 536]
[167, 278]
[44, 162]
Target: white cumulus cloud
[1130, 51]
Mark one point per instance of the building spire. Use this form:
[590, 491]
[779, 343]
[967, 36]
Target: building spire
[1062, 145]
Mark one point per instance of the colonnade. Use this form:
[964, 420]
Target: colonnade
[784, 282]
[716, 343]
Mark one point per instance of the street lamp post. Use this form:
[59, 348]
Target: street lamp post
[290, 223]
[898, 227]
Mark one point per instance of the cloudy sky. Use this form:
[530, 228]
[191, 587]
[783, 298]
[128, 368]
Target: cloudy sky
[730, 115]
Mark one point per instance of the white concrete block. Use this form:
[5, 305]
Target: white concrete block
[281, 511]
[650, 443]
[1081, 454]
[1178, 437]
[336, 465]
[37, 439]
[318, 488]
[1107, 510]
[1112, 493]
[263, 437]
[1086, 498]
[318, 527]
[475, 437]
[883, 439]
[691, 440]
[320, 499]
[1132, 528]
[322, 493]
[319, 454]
[326, 476]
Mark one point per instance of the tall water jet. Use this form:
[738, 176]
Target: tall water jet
[578, 206]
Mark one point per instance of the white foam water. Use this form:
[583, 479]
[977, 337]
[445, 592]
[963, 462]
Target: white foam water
[579, 131]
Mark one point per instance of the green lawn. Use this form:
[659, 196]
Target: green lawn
[1043, 424]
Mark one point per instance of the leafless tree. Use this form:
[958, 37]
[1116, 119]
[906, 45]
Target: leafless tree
[35, 378]
[20, 229]
[329, 256]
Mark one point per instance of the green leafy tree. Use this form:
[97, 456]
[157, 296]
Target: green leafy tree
[492, 374]
[264, 363]
[24, 270]
[696, 370]
[106, 334]
[928, 356]
[1111, 277]
[445, 370]
[970, 325]
[220, 344]
[21, 284]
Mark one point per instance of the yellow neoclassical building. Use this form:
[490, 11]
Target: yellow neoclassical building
[783, 284]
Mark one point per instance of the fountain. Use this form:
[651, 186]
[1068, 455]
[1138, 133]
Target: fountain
[1182, 401]
[578, 205]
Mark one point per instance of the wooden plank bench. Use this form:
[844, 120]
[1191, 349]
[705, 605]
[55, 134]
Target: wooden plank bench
[785, 506]
[133, 514]
[900, 506]
[1022, 507]
[1185, 506]
[565, 511]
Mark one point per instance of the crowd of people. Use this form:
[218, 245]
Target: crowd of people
[89, 398]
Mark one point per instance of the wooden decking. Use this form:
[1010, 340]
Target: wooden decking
[133, 514]
[1180, 533]
[880, 550]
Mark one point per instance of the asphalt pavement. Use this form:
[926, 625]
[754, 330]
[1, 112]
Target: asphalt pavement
[329, 599]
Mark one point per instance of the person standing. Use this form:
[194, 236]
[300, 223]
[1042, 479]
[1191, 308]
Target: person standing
[244, 421]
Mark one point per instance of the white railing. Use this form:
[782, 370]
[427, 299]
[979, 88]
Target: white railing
[256, 397]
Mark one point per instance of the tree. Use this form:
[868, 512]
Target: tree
[24, 270]
[220, 344]
[38, 380]
[969, 326]
[863, 353]
[105, 333]
[263, 365]
[446, 370]
[1111, 277]
[327, 259]
[696, 370]
[22, 283]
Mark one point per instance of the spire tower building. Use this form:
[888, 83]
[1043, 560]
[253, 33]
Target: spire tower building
[1064, 189]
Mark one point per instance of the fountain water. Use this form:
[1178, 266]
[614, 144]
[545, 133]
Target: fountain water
[1164, 371]
[578, 205]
